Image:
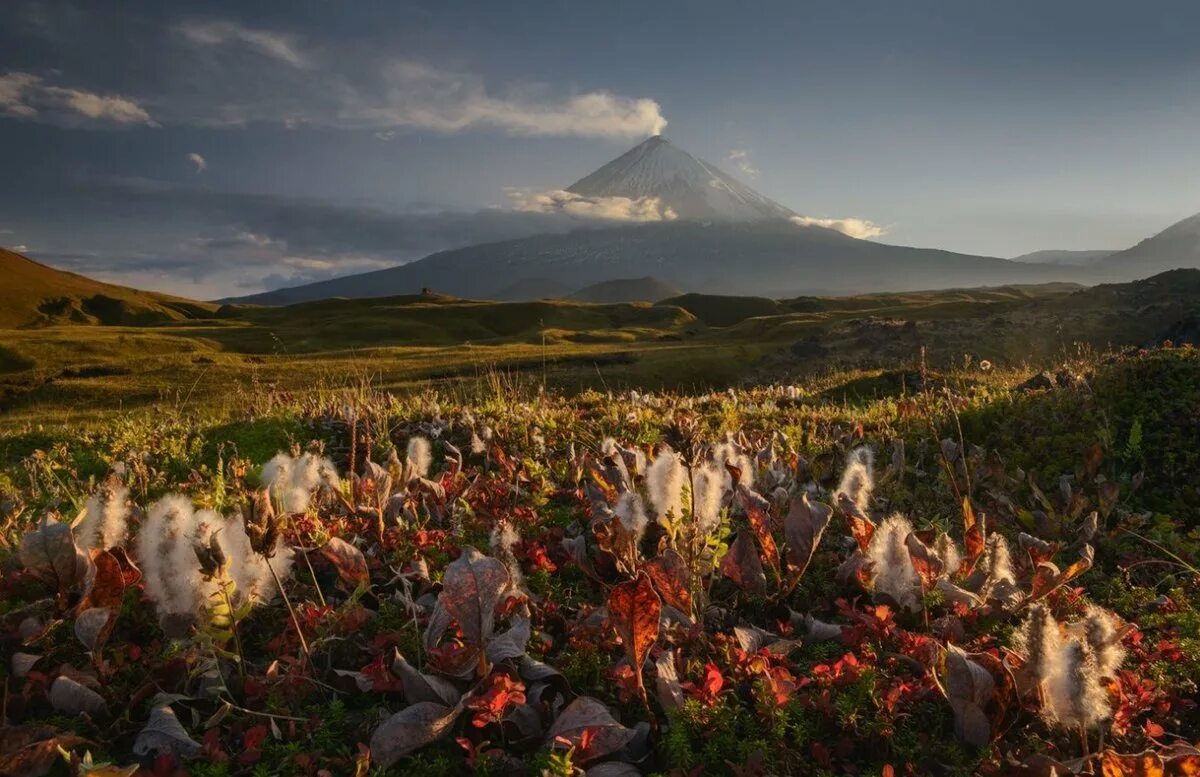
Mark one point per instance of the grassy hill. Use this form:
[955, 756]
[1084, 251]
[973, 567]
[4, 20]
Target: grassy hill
[56, 363]
[35, 295]
[648, 289]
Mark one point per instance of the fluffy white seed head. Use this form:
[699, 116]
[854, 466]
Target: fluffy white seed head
[1098, 628]
[1074, 695]
[728, 454]
[708, 490]
[418, 457]
[632, 514]
[247, 569]
[292, 482]
[894, 573]
[503, 542]
[105, 518]
[1040, 638]
[664, 481]
[858, 480]
[170, 569]
[947, 552]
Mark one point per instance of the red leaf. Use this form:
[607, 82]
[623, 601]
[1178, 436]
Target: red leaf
[861, 527]
[669, 573]
[974, 534]
[742, 565]
[349, 562]
[634, 610]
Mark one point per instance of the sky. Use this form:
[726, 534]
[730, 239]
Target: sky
[220, 148]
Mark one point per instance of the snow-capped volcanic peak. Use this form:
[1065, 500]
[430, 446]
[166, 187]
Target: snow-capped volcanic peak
[691, 188]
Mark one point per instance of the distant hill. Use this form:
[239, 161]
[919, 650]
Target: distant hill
[1177, 246]
[646, 289]
[32, 294]
[1069, 258]
[532, 288]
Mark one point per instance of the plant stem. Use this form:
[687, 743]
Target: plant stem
[292, 613]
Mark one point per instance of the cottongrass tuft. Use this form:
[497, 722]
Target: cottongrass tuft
[708, 491]
[1040, 638]
[858, 480]
[894, 573]
[632, 514]
[105, 518]
[292, 481]
[170, 569]
[664, 481]
[418, 457]
[1074, 696]
[249, 571]
[729, 454]
[503, 542]
[1098, 628]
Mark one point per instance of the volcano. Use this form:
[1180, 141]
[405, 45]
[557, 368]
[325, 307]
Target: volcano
[685, 187]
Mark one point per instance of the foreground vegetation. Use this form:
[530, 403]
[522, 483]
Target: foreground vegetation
[874, 571]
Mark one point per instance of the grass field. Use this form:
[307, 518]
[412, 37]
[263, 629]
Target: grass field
[472, 506]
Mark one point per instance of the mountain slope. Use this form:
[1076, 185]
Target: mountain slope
[1176, 246]
[774, 259]
[33, 294]
[691, 188]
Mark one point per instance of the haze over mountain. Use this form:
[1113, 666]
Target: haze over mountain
[1177, 246]
[1070, 258]
[713, 234]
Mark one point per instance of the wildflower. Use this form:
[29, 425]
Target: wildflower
[985, 365]
[1041, 640]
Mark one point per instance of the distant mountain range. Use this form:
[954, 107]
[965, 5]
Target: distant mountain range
[708, 233]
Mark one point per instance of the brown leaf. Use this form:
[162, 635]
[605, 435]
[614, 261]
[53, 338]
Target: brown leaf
[1047, 577]
[586, 714]
[92, 627]
[666, 682]
[74, 698]
[861, 527]
[32, 750]
[419, 686]
[758, 513]
[349, 561]
[411, 729]
[471, 589]
[634, 610]
[1147, 764]
[1093, 456]
[974, 534]
[49, 554]
[1039, 550]
[105, 583]
[742, 565]
[969, 688]
[163, 734]
[669, 573]
[803, 528]
[924, 560]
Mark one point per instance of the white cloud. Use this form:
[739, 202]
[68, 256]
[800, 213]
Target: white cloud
[198, 162]
[20, 249]
[420, 96]
[217, 33]
[860, 228]
[28, 96]
[600, 208]
[741, 158]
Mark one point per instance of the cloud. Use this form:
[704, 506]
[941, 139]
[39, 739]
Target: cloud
[197, 161]
[219, 33]
[860, 228]
[741, 159]
[20, 249]
[28, 96]
[420, 96]
[586, 207]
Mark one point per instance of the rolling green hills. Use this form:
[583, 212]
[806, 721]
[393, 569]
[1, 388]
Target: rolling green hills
[33, 294]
